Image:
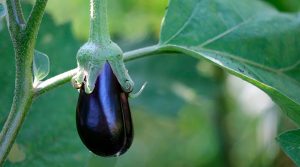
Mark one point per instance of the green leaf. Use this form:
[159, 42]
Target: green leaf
[41, 65]
[246, 37]
[290, 143]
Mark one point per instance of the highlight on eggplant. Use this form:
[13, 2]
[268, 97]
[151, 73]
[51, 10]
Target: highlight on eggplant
[103, 117]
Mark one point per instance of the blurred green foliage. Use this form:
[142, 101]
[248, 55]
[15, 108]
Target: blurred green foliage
[174, 119]
[286, 5]
[123, 16]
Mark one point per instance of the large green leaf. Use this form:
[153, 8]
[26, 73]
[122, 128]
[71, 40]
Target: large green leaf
[290, 144]
[246, 37]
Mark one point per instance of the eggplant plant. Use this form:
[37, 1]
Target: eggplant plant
[247, 38]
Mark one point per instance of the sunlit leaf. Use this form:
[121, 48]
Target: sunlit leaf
[41, 65]
[246, 37]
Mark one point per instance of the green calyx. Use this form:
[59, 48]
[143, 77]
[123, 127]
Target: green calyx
[98, 50]
[90, 59]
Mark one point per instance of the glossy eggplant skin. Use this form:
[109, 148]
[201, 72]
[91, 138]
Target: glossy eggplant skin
[103, 117]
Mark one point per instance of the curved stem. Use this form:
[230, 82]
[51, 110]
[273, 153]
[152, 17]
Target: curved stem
[15, 18]
[54, 82]
[139, 53]
[14, 122]
[20, 106]
[17, 12]
[34, 21]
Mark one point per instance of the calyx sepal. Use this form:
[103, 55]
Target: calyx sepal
[90, 60]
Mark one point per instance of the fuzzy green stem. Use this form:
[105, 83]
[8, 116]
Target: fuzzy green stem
[99, 32]
[33, 24]
[16, 20]
[139, 53]
[17, 13]
[20, 106]
[24, 38]
[22, 100]
[54, 82]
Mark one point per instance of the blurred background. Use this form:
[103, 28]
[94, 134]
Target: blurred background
[191, 114]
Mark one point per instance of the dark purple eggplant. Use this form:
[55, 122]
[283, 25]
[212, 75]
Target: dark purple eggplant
[103, 117]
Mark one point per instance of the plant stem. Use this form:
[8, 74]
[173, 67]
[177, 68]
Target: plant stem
[22, 99]
[15, 18]
[99, 32]
[34, 21]
[54, 82]
[65, 77]
[20, 106]
[140, 53]
[23, 38]
[17, 13]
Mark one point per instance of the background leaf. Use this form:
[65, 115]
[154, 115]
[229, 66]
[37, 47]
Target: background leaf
[289, 141]
[2, 10]
[2, 14]
[246, 37]
[41, 65]
[286, 5]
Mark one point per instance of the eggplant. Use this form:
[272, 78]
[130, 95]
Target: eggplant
[103, 117]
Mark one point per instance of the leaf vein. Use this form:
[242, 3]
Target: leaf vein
[249, 62]
[240, 59]
[184, 25]
[223, 34]
[286, 69]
